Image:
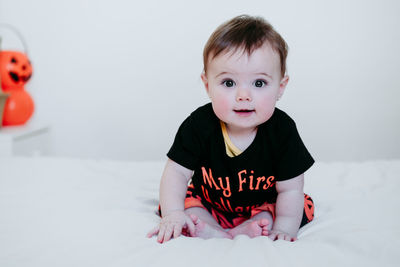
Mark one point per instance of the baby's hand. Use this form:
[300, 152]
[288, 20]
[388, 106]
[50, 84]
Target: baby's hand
[280, 235]
[171, 225]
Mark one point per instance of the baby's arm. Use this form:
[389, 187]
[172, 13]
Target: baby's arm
[289, 209]
[173, 189]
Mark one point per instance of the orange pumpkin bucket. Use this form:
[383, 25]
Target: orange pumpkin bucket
[15, 72]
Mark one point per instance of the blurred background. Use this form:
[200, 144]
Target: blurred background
[115, 79]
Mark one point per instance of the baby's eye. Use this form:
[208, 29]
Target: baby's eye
[228, 83]
[260, 83]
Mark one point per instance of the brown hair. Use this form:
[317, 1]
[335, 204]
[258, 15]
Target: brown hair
[247, 33]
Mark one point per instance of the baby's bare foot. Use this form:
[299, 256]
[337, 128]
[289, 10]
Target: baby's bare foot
[251, 228]
[206, 231]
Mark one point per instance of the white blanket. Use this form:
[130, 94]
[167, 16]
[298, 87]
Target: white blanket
[71, 212]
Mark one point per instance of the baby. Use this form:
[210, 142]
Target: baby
[243, 156]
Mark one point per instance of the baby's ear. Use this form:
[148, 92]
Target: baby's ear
[205, 80]
[282, 84]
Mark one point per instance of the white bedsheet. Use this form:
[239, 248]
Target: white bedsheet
[71, 212]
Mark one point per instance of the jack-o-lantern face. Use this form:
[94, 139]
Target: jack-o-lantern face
[15, 69]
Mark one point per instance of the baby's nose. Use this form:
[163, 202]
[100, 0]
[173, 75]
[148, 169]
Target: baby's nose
[243, 95]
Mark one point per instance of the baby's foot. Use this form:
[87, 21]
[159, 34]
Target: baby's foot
[251, 228]
[206, 231]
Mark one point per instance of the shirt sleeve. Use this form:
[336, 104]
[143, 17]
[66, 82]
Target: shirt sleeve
[293, 157]
[186, 148]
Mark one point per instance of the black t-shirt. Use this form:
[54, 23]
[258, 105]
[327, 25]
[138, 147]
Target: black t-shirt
[245, 181]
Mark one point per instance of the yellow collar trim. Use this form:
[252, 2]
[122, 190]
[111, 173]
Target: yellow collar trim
[231, 149]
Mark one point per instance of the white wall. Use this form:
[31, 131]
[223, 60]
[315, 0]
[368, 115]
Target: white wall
[116, 78]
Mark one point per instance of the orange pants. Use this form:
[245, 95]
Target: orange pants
[231, 220]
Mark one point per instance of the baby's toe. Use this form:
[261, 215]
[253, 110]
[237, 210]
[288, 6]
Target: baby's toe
[263, 223]
[194, 218]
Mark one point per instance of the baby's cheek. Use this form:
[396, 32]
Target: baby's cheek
[221, 107]
[266, 110]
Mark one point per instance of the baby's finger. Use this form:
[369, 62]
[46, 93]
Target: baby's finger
[293, 239]
[190, 225]
[153, 232]
[161, 233]
[168, 232]
[177, 231]
[283, 237]
[272, 236]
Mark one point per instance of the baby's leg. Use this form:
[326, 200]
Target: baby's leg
[205, 224]
[258, 225]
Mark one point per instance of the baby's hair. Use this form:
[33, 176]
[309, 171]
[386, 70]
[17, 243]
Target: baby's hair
[247, 33]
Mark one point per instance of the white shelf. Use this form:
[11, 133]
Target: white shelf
[30, 139]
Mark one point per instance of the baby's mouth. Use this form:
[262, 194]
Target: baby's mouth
[244, 111]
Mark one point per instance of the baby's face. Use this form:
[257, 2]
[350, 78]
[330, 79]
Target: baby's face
[244, 89]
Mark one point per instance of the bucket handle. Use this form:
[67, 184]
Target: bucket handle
[15, 31]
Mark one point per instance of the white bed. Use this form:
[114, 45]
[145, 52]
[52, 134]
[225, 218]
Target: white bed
[73, 212]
